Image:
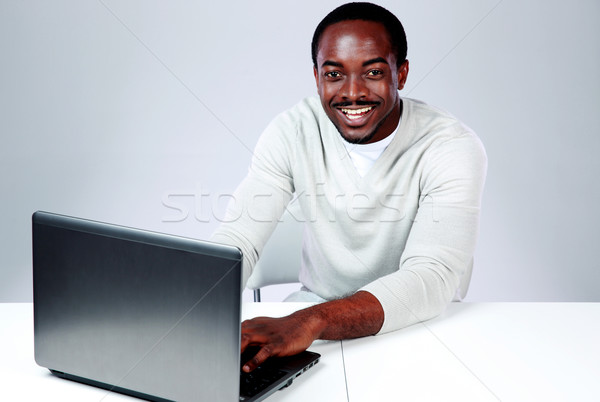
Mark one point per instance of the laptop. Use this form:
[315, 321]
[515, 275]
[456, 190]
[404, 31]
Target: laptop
[147, 314]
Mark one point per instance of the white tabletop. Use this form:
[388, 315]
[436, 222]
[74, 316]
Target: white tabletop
[483, 352]
[473, 352]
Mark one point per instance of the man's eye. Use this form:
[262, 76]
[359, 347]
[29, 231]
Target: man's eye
[374, 73]
[332, 74]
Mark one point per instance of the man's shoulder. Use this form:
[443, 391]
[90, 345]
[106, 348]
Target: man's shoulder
[437, 131]
[305, 121]
[430, 121]
[307, 110]
[305, 118]
[424, 112]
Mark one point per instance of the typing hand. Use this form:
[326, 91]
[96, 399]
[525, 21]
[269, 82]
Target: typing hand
[357, 315]
[277, 337]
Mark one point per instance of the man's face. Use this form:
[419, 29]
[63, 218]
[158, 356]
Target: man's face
[357, 80]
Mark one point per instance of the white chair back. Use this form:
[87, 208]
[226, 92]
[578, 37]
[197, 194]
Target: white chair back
[280, 259]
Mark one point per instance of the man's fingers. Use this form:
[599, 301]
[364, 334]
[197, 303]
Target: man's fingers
[283, 336]
[254, 335]
[251, 336]
[263, 354]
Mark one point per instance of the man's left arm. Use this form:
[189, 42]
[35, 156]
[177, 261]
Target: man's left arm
[441, 244]
[438, 250]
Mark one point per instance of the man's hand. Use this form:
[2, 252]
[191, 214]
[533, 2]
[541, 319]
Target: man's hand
[358, 315]
[284, 336]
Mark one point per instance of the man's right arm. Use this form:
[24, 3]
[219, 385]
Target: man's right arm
[260, 200]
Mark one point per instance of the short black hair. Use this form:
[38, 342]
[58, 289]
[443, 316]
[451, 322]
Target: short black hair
[365, 12]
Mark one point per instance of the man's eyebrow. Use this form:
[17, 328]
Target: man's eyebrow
[331, 63]
[375, 60]
[366, 63]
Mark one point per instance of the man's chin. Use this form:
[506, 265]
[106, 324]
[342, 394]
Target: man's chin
[357, 138]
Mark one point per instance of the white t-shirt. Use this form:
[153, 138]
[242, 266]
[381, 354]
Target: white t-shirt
[363, 156]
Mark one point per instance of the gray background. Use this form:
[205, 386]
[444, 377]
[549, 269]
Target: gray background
[144, 113]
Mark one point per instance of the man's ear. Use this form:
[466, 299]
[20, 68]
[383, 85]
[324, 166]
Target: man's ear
[316, 74]
[402, 74]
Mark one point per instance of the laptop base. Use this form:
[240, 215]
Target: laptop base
[108, 387]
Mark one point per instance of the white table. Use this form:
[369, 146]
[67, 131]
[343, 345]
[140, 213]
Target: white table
[473, 352]
[483, 352]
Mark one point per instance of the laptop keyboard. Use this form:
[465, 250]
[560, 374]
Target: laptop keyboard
[259, 379]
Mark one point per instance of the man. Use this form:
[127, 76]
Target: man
[390, 189]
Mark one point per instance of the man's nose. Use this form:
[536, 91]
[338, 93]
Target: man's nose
[354, 88]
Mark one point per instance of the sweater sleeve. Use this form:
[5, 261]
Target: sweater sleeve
[260, 200]
[442, 238]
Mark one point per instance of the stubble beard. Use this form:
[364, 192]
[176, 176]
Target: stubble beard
[369, 136]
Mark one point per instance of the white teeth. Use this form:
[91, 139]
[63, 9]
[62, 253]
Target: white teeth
[355, 113]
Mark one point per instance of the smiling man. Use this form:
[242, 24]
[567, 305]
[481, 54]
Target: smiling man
[389, 187]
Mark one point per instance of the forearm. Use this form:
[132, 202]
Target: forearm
[352, 317]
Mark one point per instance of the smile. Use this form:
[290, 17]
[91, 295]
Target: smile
[354, 114]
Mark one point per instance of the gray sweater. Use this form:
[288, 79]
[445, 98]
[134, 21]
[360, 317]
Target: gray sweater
[404, 232]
